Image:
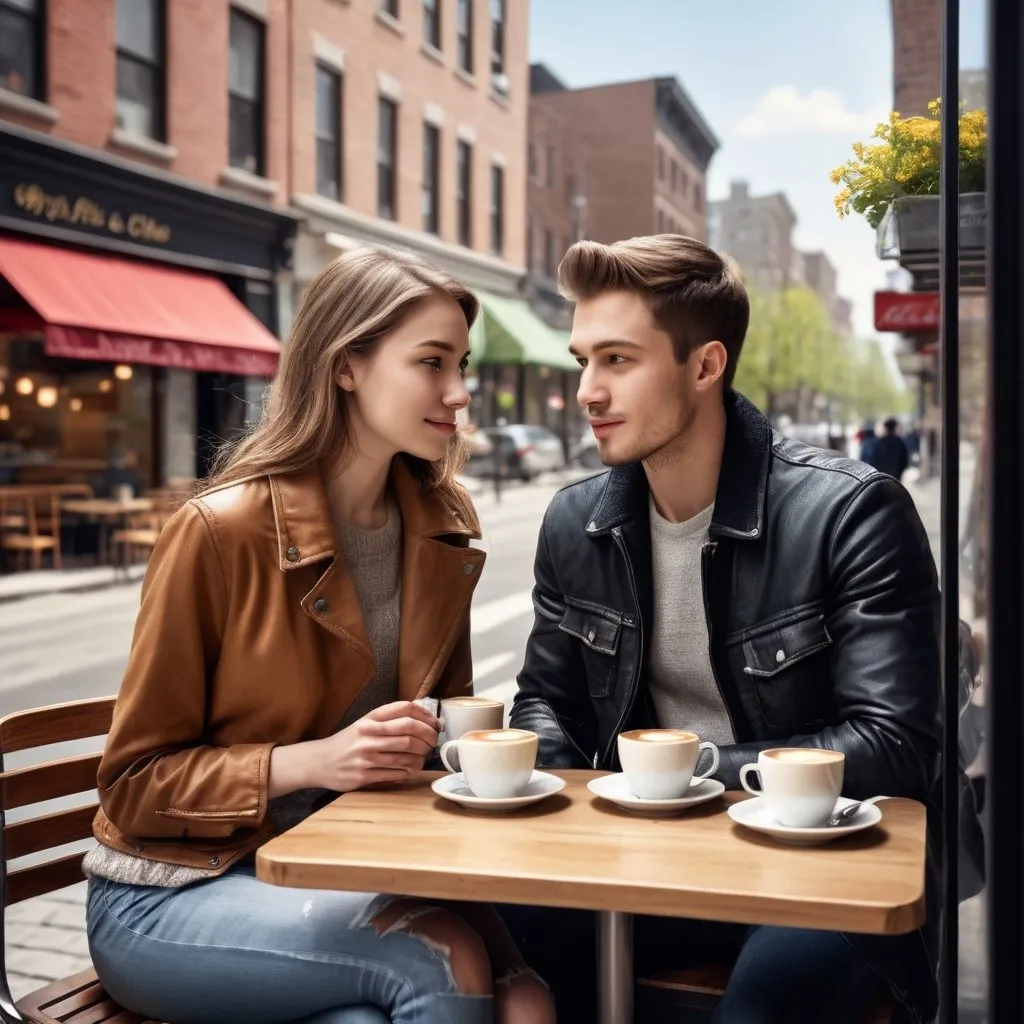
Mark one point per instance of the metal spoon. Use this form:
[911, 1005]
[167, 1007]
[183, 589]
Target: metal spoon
[843, 816]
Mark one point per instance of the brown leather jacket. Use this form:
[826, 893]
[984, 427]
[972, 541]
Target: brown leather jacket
[250, 635]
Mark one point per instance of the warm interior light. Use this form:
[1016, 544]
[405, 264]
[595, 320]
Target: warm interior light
[24, 386]
[47, 397]
[76, 405]
[106, 385]
[5, 412]
[122, 372]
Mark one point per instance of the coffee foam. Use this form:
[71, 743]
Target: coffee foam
[497, 736]
[805, 755]
[469, 702]
[660, 736]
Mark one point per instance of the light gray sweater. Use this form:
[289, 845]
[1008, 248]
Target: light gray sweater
[374, 560]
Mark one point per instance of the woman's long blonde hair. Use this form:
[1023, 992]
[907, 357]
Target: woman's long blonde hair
[346, 309]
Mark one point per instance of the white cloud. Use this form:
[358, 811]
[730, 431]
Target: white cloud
[782, 110]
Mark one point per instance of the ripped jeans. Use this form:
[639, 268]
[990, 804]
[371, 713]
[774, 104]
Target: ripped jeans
[239, 951]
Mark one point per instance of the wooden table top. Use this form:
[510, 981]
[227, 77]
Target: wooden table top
[574, 850]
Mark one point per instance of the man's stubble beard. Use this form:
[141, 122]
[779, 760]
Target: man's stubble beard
[657, 453]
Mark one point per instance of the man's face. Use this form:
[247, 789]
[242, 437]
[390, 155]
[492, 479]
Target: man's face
[639, 398]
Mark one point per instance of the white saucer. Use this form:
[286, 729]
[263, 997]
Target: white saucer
[754, 814]
[616, 789]
[540, 787]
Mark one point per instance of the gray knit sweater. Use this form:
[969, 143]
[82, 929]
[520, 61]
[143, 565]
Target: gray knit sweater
[374, 560]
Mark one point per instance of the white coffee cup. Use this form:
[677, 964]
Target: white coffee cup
[466, 714]
[496, 763]
[799, 785]
[660, 764]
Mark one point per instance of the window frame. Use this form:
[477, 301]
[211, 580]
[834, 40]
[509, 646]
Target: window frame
[431, 179]
[387, 172]
[464, 192]
[38, 21]
[259, 104]
[498, 18]
[432, 24]
[464, 35]
[338, 99]
[497, 217]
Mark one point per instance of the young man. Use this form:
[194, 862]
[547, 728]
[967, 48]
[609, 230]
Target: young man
[723, 579]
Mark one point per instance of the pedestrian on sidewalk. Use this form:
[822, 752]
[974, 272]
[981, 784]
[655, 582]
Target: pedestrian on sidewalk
[292, 615]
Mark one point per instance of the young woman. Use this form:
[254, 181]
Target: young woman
[291, 616]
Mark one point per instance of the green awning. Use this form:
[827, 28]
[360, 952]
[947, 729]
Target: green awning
[508, 331]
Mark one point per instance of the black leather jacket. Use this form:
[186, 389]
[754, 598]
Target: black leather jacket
[822, 604]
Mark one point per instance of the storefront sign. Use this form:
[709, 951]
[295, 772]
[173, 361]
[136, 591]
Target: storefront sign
[58, 208]
[906, 311]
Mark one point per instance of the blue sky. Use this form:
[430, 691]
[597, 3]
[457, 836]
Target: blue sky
[786, 85]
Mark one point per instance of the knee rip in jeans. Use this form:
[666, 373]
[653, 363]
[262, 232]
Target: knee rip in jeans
[445, 934]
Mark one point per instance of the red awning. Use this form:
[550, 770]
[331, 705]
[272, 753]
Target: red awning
[97, 307]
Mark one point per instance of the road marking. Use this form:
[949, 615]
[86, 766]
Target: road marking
[496, 613]
[504, 691]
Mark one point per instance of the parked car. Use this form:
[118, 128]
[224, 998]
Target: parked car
[525, 452]
[585, 453]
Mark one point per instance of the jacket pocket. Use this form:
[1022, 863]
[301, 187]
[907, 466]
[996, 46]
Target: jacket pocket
[599, 631]
[786, 662]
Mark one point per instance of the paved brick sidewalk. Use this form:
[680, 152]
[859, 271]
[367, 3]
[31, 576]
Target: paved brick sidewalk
[46, 940]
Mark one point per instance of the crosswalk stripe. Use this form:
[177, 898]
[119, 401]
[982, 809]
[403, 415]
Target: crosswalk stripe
[488, 666]
[486, 617]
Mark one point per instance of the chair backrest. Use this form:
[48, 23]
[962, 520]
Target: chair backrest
[48, 780]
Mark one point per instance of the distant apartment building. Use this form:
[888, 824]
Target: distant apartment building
[757, 232]
[609, 162]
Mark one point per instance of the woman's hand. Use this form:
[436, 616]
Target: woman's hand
[389, 744]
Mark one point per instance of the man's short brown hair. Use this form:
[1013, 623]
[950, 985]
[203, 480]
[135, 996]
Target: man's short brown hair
[695, 294]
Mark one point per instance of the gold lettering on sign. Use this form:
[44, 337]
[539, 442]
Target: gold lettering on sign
[37, 202]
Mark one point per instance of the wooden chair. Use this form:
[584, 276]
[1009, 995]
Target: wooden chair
[690, 995]
[41, 511]
[79, 999]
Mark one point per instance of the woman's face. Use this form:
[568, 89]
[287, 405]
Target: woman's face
[404, 395]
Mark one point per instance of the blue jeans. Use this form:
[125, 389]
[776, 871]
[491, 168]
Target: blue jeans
[239, 951]
[780, 974]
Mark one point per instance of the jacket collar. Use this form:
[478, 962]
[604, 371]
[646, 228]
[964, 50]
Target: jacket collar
[742, 481]
[305, 532]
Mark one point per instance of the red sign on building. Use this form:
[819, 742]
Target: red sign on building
[906, 311]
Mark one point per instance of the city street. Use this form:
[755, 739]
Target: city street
[62, 647]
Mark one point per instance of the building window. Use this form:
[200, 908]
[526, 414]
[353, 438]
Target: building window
[549, 170]
[22, 47]
[140, 67]
[328, 133]
[660, 221]
[497, 209]
[387, 147]
[246, 92]
[529, 246]
[464, 192]
[549, 253]
[389, 7]
[684, 182]
[675, 176]
[499, 77]
[464, 25]
[661, 164]
[432, 22]
[697, 199]
[431, 176]
[531, 158]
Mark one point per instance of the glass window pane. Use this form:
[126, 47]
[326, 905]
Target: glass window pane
[246, 54]
[138, 27]
[328, 174]
[245, 135]
[136, 97]
[327, 113]
[18, 71]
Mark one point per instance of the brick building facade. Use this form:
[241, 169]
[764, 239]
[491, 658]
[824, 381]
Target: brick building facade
[916, 54]
[610, 162]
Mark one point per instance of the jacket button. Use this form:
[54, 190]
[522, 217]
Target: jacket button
[292, 554]
[320, 605]
[591, 526]
[591, 635]
[780, 656]
[468, 568]
[214, 862]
